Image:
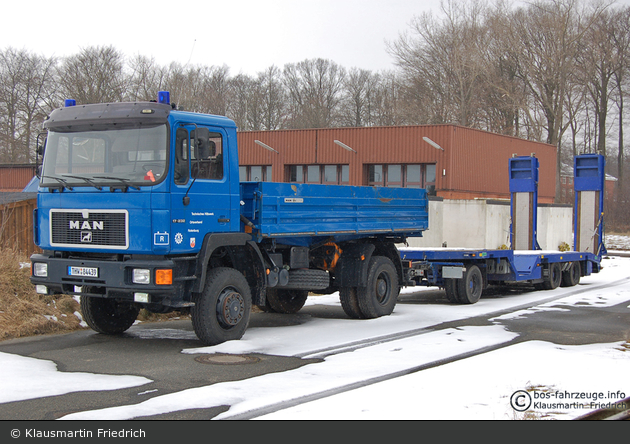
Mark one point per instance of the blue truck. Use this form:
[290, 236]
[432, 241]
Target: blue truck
[140, 206]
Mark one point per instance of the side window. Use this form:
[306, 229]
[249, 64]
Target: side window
[181, 156]
[207, 158]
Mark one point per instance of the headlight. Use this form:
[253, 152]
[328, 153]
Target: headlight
[40, 269]
[141, 276]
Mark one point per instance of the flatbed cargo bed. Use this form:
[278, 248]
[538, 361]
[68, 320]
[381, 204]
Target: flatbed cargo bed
[305, 212]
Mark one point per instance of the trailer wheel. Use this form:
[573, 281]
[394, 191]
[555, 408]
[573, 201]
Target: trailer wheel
[222, 309]
[452, 294]
[108, 316]
[286, 301]
[470, 287]
[350, 302]
[554, 277]
[378, 297]
[571, 276]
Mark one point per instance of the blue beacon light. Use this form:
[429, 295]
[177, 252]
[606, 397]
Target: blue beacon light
[164, 97]
[70, 102]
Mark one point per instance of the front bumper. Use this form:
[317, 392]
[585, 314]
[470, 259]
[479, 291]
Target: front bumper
[114, 279]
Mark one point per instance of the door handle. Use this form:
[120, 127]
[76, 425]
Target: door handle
[223, 220]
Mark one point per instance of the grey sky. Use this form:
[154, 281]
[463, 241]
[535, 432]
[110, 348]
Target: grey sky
[246, 35]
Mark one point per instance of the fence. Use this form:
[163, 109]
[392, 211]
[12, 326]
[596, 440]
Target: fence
[16, 226]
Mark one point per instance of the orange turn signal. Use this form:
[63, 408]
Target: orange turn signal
[164, 277]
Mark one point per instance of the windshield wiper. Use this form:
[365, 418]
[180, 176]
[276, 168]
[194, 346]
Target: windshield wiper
[124, 181]
[98, 187]
[64, 184]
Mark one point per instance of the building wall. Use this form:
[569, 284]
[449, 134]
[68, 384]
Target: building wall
[15, 177]
[469, 163]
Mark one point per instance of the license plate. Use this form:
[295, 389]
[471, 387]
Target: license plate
[83, 271]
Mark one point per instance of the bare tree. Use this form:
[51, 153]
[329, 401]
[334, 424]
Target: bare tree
[442, 61]
[359, 94]
[243, 99]
[545, 39]
[272, 98]
[314, 89]
[95, 75]
[621, 39]
[145, 78]
[26, 82]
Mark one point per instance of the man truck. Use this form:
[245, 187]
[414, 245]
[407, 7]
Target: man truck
[140, 206]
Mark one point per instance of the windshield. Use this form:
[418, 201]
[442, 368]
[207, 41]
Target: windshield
[108, 157]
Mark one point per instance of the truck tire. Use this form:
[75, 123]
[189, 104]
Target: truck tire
[378, 297]
[221, 311]
[571, 276]
[470, 286]
[554, 277]
[350, 303]
[286, 301]
[452, 294]
[310, 279]
[108, 316]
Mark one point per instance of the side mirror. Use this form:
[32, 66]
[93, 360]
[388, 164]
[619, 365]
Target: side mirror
[39, 151]
[201, 137]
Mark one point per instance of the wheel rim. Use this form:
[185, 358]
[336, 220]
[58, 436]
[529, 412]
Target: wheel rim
[230, 308]
[475, 285]
[383, 287]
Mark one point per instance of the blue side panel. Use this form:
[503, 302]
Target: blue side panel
[589, 175]
[524, 179]
[300, 210]
[588, 170]
[523, 175]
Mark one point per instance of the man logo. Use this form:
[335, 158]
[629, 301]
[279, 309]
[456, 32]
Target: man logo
[86, 236]
[77, 225]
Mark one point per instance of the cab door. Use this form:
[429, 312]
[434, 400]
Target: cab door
[201, 198]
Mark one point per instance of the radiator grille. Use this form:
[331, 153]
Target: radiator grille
[89, 229]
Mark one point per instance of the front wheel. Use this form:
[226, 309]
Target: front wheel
[221, 312]
[108, 316]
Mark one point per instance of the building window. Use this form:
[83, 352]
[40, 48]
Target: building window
[400, 175]
[326, 174]
[255, 173]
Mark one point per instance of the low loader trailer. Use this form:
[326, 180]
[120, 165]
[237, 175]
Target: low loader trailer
[466, 273]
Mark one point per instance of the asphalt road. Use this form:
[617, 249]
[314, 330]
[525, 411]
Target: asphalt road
[142, 352]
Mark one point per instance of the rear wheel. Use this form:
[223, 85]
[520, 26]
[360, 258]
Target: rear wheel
[554, 276]
[470, 287]
[350, 302]
[286, 301]
[378, 297]
[108, 316]
[452, 294]
[221, 312]
[571, 276]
